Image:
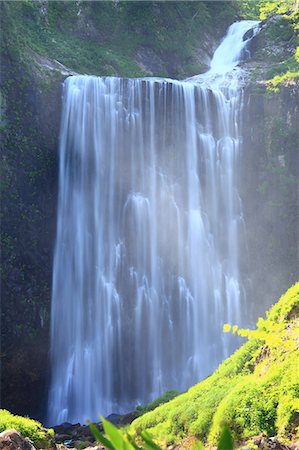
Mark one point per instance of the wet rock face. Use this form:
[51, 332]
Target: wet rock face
[13, 440]
[269, 187]
[29, 197]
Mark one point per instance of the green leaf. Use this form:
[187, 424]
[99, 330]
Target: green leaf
[128, 446]
[225, 440]
[132, 442]
[114, 434]
[99, 437]
[149, 443]
[118, 440]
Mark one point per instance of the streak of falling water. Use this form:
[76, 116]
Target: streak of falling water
[146, 266]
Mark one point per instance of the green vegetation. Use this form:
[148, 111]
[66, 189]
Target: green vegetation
[255, 390]
[284, 74]
[105, 38]
[284, 29]
[272, 7]
[276, 51]
[166, 397]
[264, 9]
[117, 440]
[30, 428]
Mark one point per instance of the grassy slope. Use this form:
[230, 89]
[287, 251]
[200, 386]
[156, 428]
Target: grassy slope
[255, 390]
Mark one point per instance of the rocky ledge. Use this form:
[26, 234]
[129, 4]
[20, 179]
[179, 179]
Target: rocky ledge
[79, 436]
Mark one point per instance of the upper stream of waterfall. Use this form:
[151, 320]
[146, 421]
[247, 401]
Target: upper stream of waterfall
[146, 265]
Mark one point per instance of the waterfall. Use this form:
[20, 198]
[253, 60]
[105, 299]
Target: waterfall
[146, 264]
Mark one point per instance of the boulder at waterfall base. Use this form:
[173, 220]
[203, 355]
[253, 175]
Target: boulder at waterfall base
[28, 428]
[13, 440]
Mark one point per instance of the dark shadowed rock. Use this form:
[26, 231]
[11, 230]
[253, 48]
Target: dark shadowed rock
[114, 418]
[66, 428]
[248, 35]
[127, 419]
[13, 440]
[269, 443]
[69, 434]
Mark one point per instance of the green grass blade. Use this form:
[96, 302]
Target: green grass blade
[225, 440]
[132, 442]
[99, 436]
[149, 443]
[119, 441]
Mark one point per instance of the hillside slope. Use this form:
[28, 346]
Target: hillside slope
[255, 390]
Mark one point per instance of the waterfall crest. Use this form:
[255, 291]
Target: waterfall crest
[146, 265]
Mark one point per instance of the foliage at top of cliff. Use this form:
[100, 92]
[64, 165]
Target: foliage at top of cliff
[255, 390]
[132, 39]
[118, 38]
[276, 56]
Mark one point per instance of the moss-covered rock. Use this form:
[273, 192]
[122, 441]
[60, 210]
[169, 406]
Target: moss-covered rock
[255, 390]
[28, 428]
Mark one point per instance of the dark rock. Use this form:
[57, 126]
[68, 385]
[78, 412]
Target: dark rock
[248, 35]
[275, 444]
[66, 425]
[114, 418]
[66, 428]
[70, 434]
[13, 440]
[79, 445]
[60, 438]
[269, 443]
[127, 419]
[83, 432]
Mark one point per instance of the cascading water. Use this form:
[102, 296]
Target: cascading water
[149, 219]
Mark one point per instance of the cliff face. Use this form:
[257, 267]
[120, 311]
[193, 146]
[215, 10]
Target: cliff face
[269, 186]
[29, 190]
[269, 178]
[170, 39]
